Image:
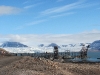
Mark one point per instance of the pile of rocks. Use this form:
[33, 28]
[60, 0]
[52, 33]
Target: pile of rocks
[84, 68]
[3, 52]
[41, 66]
[33, 66]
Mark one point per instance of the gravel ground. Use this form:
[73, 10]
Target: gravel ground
[14, 65]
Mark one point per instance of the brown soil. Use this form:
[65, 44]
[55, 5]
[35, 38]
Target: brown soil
[14, 65]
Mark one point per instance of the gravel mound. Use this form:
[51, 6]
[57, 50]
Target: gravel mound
[84, 68]
[41, 66]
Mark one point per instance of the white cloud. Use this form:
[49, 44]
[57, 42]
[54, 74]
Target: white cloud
[33, 39]
[63, 14]
[93, 31]
[29, 6]
[25, 2]
[6, 10]
[62, 8]
[30, 24]
[36, 22]
[69, 7]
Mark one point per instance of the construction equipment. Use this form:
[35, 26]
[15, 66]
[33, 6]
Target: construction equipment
[55, 52]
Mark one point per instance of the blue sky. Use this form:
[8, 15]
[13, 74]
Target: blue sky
[49, 16]
[46, 21]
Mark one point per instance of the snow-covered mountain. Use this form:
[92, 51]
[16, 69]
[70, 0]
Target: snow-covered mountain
[41, 45]
[13, 44]
[17, 47]
[64, 47]
[95, 45]
[48, 45]
[53, 44]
